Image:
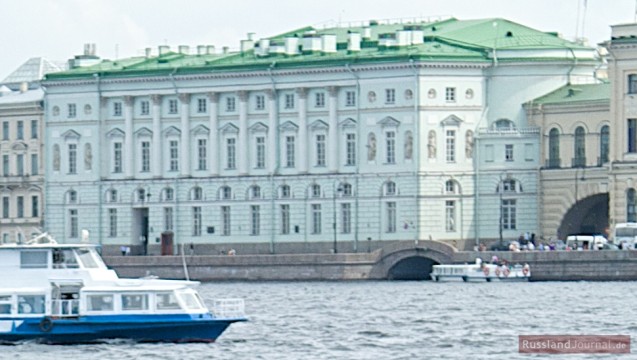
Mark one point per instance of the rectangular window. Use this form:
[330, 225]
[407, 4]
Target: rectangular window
[508, 152]
[145, 107]
[174, 155]
[202, 105]
[320, 100]
[145, 156]
[35, 206]
[450, 216]
[225, 220]
[320, 150]
[34, 129]
[260, 102]
[73, 224]
[632, 135]
[196, 221]
[34, 259]
[168, 219]
[451, 146]
[5, 207]
[117, 108]
[20, 206]
[289, 101]
[20, 164]
[112, 223]
[35, 168]
[350, 147]
[72, 110]
[117, 157]
[289, 151]
[230, 103]
[391, 147]
[5, 130]
[285, 219]
[31, 304]
[390, 96]
[260, 152]
[350, 98]
[72, 159]
[346, 218]
[231, 160]
[632, 84]
[99, 303]
[255, 223]
[508, 215]
[391, 217]
[134, 302]
[172, 106]
[202, 154]
[5, 165]
[20, 130]
[450, 94]
[316, 218]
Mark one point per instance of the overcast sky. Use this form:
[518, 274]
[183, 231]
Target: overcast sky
[57, 29]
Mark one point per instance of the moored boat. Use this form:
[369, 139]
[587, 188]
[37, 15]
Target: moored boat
[480, 272]
[64, 293]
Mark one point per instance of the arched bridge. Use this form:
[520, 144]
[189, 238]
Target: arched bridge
[410, 260]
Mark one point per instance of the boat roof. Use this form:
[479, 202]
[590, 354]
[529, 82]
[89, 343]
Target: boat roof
[45, 246]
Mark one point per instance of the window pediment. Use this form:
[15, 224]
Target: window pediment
[319, 125]
[289, 126]
[71, 135]
[229, 129]
[172, 131]
[144, 132]
[451, 120]
[258, 127]
[200, 130]
[389, 121]
[19, 146]
[348, 123]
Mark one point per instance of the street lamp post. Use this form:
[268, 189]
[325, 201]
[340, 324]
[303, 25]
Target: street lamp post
[501, 186]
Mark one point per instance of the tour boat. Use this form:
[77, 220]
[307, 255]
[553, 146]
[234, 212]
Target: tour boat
[64, 293]
[481, 272]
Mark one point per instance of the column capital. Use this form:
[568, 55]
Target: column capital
[301, 92]
[184, 98]
[242, 95]
[156, 99]
[129, 100]
[213, 97]
[332, 90]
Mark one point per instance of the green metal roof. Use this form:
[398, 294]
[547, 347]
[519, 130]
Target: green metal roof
[575, 94]
[449, 40]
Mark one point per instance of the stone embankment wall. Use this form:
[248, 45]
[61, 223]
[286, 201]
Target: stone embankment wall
[545, 266]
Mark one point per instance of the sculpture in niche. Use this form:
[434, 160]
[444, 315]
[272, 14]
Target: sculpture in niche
[468, 147]
[56, 157]
[371, 147]
[431, 145]
[409, 145]
[88, 157]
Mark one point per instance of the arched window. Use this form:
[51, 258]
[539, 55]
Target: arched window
[631, 215]
[71, 197]
[225, 193]
[197, 193]
[255, 192]
[390, 188]
[111, 195]
[315, 190]
[580, 147]
[504, 124]
[509, 186]
[554, 148]
[451, 187]
[284, 192]
[168, 194]
[346, 189]
[604, 144]
[141, 195]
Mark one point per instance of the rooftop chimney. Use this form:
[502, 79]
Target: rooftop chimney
[147, 52]
[184, 49]
[201, 49]
[210, 50]
[367, 33]
[263, 48]
[328, 43]
[354, 41]
[163, 49]
[291, 45]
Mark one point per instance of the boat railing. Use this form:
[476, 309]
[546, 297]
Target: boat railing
[65, 308]
[228, 308]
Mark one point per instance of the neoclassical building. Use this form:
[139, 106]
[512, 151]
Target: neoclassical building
[335, 139]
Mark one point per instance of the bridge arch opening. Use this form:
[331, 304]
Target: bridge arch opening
[587, 216]
[412, 268]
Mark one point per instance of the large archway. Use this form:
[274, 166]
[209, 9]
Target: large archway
[587, 216]
[412, 268]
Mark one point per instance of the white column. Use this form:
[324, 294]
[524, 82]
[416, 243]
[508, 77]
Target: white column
[184, 148]
[243, 149]
[273, 132]
[213, 140]
[129, 151]
[302, 140]
[157, 145]
[332, 138]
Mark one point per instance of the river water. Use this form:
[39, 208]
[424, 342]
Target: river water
[387, 320]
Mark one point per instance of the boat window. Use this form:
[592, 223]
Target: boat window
[190, 301]
[100, 302]
[5, 304]
[135, 302]
[166, 301]
[86, 258]
[30, 304]
[64, 259]
[34, 259]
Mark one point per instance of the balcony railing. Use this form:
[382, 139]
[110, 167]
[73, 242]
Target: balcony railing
[510, 131]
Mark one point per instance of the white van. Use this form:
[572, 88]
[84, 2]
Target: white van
[587, 242]
[625, 234]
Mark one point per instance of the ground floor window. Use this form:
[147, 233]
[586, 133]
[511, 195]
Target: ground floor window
[508, 215]
[450, 216]
[391, 217]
